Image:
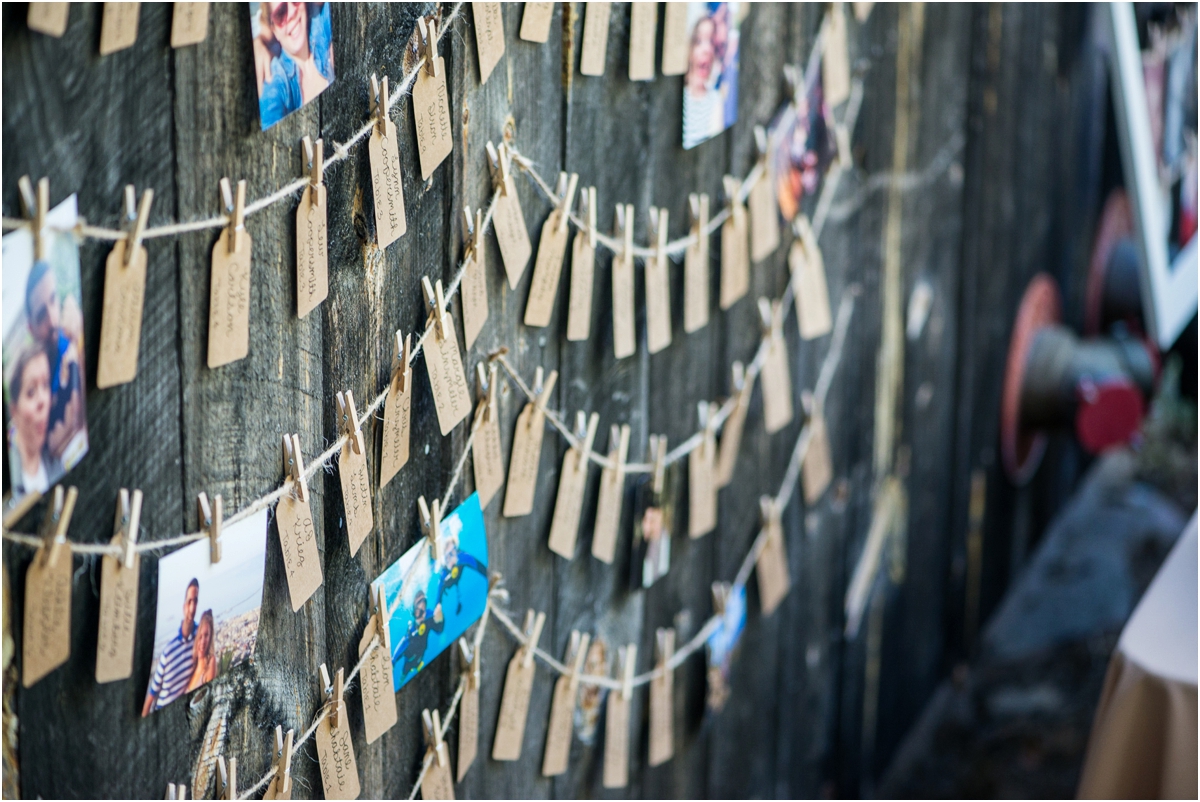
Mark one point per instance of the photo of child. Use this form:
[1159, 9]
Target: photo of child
[802, 147]
[44, 380]
[293, 56]
[710, 87]
[434, 601]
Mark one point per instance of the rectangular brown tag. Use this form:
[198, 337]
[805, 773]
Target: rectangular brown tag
[298, 540]
[695, 272]
[568, 506]
[818, 466]
[229, 301]
[595, 38]
[378, 694]
[118, 27]
[624, 333]
[535, 22]
[438, 782]
[387, 185]
[731, 436]
[121, 324]
[189, 24]
[46, 641]
[397, 417]
[579, 306]
[118, 617]
[702, 490]
[474, 295]
[356, 494]
[447, 377]
[509, 223]
[489, 36]
[835, 60]
[612, 493]
[48, 18]
[662, 697]
[486, 454]
[524, 461]
[547, 269]
[558, 734]
[514, 709]
[764, 217]
[812, 295]
[735, 258]
[616, 737]
[776, 385]
[335, 753]
[675, 39]
[431, 113]
[658, 302]
[774, 580]
[643, 30]
[312, 251]
[468, 728]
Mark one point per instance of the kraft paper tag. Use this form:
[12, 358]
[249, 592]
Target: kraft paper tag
[118, 27]
[298, 540]
[616, 739]
[474, 295]
[559, 732]
[568, 506]
[509, 223]
[431, 112]
[579, 305]
[774, 580]
[624, 333]
[356, 494]
[862, 11]
[48, 18]
[608, 503]
[485, 453]
[547, 269]
[335, 753]
[764, 218]
[378, 694]
[229, 301]
[489, 36]
[818, 466]
[643, 30]
[776, 385]
[121, 324]
[514, 709]
[312, 251]
[812, 295]
[447, 377]
[47, 637]
[468, 728]
[735, 258]
[662, 695]
[189, 24]
[438, 783]
[118, 616]
[835, 60]
[523, 464]
[595, 38]
[658, 303]
[397, 417]
[676, 39]
[695, 283]
[535, 23]
[702, 490]
[731, 436]
[387, 185]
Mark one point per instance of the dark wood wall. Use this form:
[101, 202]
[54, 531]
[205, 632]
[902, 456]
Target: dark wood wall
[994, 103]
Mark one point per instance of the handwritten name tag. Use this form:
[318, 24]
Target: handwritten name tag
[447, 377]
[189, 24]
[643, 30]
[121, 324]
[624, 333]
[229, 301]
[568, 505]
[46, 642]
[48, 18]
[431, 112]
[508, 221]
[335, 753]
[118, 617]
[474, 295]
[468, 727]
[387, 184]
[583, 271]
[485, 453]
[535, 23]
[489, 36]
[312, 251]
[397, 416]
[514, 709]
[356, 495]
[547, 269]
[118, 27]
[298, 539]
[595, 38]
[378, 694]
[735, 257]
[813, 314]
[523, 464]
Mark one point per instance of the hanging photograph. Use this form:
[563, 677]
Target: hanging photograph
[802, 147]
[208, 612]
[44, 379]
[723, 643]
[432, 601]
[710, 87]
[293, 56]
[653, 518]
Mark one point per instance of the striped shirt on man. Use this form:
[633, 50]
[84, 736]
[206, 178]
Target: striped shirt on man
[174, 669]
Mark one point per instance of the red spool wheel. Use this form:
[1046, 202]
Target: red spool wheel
[1021, 447]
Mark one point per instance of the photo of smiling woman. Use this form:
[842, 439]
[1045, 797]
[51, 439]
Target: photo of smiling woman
[710, 93]
[293, 56]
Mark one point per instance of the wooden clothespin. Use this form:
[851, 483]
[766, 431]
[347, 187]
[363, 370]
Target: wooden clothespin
[542, 390]
[179, 791]
[470, 664]
[136, 217]
[236, 207]
[698, 204]
[129, 516]
[761, 142]
[473, 232]
[54, 526]
[433, 735]
[427, 46]
[842, 137]
[333, 694]
[283, 762]
[658, 453]
[37, 206]
[706, 414]
[587, 210]
[739, 377]
[487, 387]
[579, 647]
[403, 360]
[658, 230]
[732, 188]
[499, 161]
[382, 617]
[585, 430]
[770, 510]
[436, 302]
[624, 232]
[314, 157]
[293, 466]
[566, 198]
[795, 83]
[228, 778]
[665, 642]
[720, 595]
[770, 317]
[533, 631]
[431, 523]
[348, 421]
[210, 522]
[628, 656]
[379, 101]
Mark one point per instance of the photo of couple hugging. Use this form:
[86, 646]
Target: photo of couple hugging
[188, 661]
